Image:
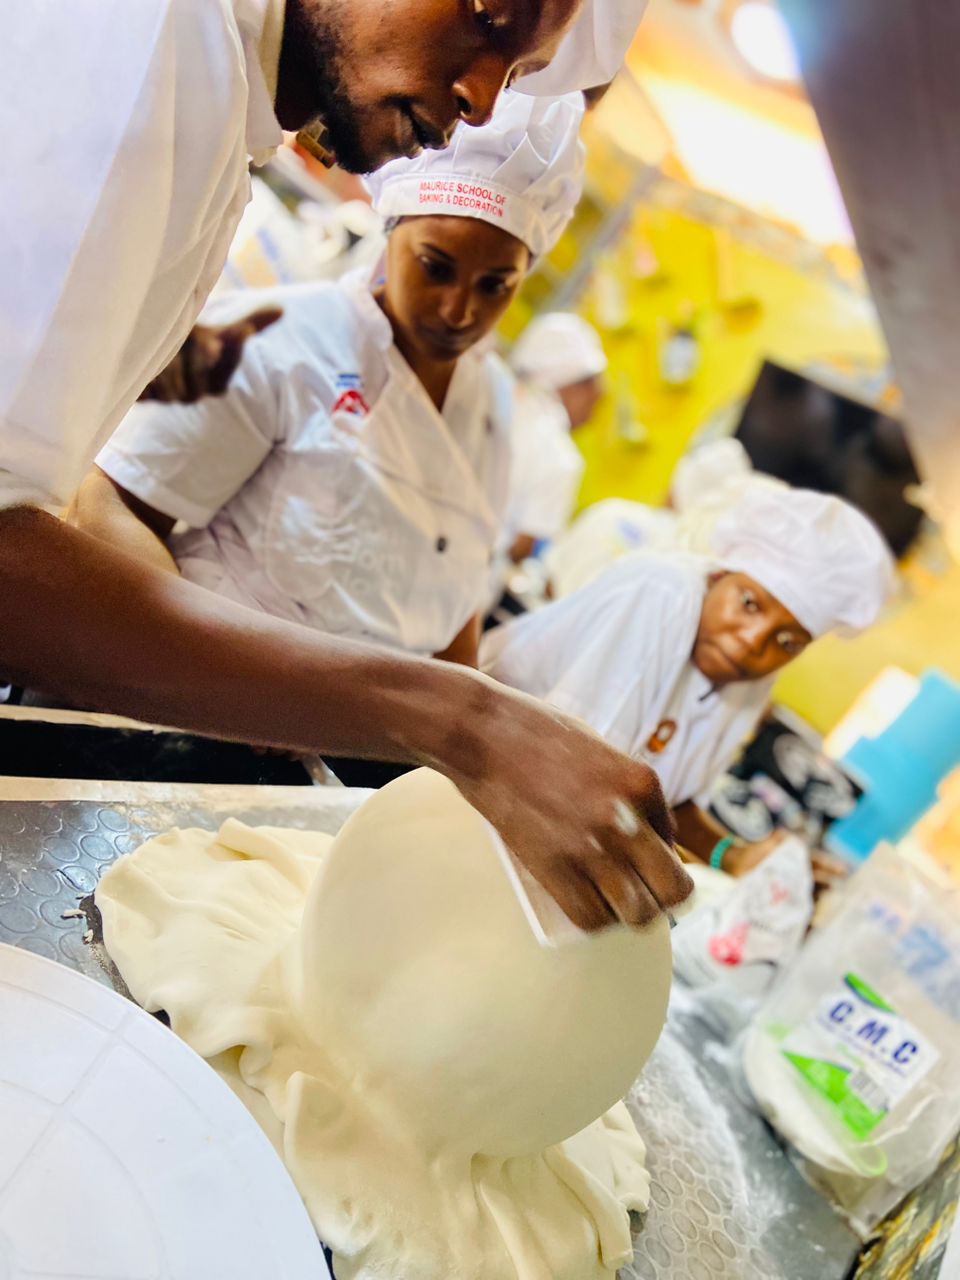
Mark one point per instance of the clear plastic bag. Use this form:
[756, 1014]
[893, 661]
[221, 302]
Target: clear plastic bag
[855, 1058]
[733, 948]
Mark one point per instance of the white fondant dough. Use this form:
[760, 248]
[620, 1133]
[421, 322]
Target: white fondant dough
[444, 1090]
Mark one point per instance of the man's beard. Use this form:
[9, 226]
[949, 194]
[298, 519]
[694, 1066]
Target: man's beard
[313, 58]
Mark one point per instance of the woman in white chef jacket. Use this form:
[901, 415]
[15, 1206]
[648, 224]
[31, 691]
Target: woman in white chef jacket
[671, 656]
[704, 482]
[354, 475]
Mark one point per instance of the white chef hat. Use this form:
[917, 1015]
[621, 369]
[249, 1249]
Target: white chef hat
[558, 349]
[820, 556]
[701, 474]
[523, 171]
[593, 50]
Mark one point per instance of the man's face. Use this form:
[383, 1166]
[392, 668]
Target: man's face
[745, 633]
[390, 77]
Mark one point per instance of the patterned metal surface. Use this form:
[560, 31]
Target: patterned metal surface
[52, 855]
[700, 1223]
[727, 1204]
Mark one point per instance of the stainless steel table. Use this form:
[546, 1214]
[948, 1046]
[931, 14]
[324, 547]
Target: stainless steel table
[727, 1203]
[726, 1200]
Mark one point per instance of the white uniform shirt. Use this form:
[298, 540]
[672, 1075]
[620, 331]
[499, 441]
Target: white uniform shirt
[324, 486]
[126, 129]
[603, 534]
[547, 468]
[616, 654]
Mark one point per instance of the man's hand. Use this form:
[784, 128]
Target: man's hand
[590, 824]
[207, 360]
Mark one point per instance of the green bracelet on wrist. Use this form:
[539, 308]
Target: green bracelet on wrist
[719, 850]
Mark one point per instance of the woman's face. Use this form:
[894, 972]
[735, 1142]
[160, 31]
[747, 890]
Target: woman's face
[745, 633]
[449, 280]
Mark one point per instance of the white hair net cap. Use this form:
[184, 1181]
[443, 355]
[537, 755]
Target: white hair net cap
[820, 556]
[523, 171]
[696, 523]
[699, 475]
[593, 50]
[557, 349]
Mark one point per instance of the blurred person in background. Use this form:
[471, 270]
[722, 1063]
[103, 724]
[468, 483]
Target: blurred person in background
[704, 481]
[559, 363]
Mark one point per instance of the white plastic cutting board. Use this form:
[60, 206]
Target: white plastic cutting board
[123, 1156]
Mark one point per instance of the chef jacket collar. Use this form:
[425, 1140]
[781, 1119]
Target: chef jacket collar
[261, 27]
[358, 285]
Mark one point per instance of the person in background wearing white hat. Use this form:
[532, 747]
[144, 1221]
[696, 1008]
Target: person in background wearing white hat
[707, 473]
[671, 656]
[704, 482]
[353, 476]
[559, 362]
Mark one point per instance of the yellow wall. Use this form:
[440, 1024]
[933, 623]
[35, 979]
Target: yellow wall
[746, 305]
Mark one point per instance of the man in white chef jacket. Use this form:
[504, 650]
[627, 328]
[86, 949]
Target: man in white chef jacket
[126, 130]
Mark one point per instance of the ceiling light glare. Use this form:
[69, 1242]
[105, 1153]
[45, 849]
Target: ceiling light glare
[762, 37]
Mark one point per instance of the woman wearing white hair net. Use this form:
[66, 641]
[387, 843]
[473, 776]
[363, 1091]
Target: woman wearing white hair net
[353, 477]
[672, 655]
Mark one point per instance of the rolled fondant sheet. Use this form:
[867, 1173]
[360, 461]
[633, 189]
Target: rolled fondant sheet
[444, 1090]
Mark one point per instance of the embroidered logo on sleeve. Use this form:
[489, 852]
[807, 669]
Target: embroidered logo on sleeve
[351, 399]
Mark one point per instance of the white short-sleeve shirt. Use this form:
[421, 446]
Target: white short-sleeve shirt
[126, 128]
[324, 486]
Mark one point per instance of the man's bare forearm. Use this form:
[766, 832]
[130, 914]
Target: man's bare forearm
[104, 509]
[81, 618]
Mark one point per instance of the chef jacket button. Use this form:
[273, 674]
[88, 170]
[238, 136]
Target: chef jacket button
[441, 543]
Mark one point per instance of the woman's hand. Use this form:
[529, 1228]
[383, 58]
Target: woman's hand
[827, 871]
[740, 859]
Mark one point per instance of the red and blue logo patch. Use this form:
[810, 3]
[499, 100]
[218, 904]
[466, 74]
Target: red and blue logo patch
[351, 399]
